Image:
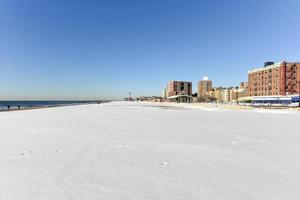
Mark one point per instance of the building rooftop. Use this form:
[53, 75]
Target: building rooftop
[205, 78]
[265, 68]
[180, 81]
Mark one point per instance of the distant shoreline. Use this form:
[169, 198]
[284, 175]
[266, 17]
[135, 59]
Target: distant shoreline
[22, 108]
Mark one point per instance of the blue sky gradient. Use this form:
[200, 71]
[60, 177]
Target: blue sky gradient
[65, 49]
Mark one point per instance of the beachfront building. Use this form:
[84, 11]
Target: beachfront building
[179, 87]
[179, 91]
[273, 79]
[225, 95]
[243, 85]
[233, 94]
[243, 90]
[216, 94]
[181, 98]
[204, 87]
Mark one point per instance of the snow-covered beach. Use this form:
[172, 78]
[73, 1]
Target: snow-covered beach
[129, 150]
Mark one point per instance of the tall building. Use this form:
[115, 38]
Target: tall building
[204, 87]
[243, 90]
[274, 79]
[179, 87]
[225, 95]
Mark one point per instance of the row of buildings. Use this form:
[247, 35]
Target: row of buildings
[273, 80]
[181, 91]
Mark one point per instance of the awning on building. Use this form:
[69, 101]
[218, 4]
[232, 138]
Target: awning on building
[181, 98]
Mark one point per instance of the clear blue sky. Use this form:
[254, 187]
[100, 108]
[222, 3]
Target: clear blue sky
[66, 49]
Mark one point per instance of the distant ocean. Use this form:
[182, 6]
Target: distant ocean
[36, 104]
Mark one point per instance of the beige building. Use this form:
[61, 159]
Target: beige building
[204, 87]
[243, 85]
[243, 90]
[216, 94]
[233, 94]
[225, 95]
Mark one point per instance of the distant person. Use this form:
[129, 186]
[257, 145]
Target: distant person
[19, 107]
[8, 107]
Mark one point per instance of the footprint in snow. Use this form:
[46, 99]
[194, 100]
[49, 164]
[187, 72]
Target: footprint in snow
[237, 139]
[163, 164]
[58, 151]
[23, 154]
[119, 146]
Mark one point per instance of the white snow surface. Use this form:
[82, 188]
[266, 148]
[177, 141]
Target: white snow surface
[129, 150]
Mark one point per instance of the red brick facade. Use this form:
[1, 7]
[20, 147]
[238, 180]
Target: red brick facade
[277, 79]
[179, 87]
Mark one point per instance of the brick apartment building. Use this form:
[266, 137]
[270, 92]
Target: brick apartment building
[179, 87]
[274, 79]
[204, 87]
